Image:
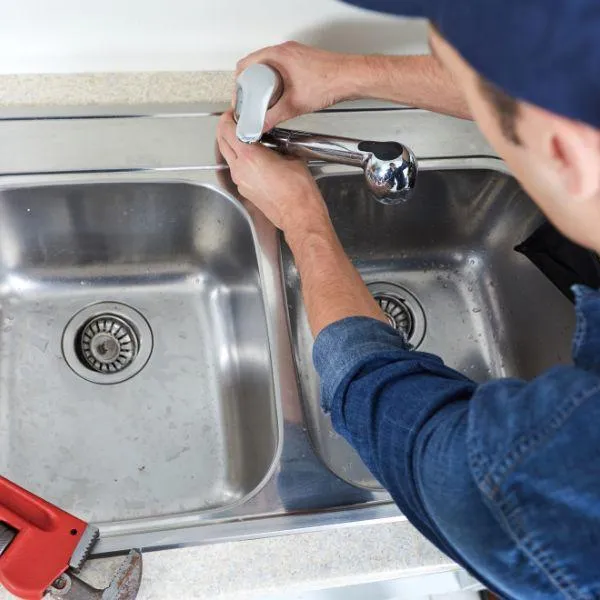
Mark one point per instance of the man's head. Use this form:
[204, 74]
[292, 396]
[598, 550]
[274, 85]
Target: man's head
[530, 73]
[556, 159]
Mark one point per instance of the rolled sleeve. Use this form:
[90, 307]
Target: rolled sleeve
[385, 399]
[474, 467]
[342, 348]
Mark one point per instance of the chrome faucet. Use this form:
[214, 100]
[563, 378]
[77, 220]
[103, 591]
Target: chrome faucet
[390, 168]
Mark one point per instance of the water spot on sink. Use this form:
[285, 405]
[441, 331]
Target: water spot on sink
[178, 454]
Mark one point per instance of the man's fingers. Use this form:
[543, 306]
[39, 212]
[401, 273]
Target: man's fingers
[254, 57]
[229, 154]
[226, 136]
[280, 112]
[226, 127]
[227, 130]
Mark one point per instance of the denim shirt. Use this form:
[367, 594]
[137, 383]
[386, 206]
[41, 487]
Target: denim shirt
[504, 476]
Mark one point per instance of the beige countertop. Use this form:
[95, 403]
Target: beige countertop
[115, 88]
[286, 564]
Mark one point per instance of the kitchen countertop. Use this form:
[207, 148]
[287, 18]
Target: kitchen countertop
[115, 88]
[244, 569]
[291, 563]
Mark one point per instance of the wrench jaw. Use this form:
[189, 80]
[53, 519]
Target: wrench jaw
[124, 585]
[88, 539]
[126, 582]
[42, 547]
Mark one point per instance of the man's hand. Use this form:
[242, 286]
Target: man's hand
[313, 79]
[282, 188]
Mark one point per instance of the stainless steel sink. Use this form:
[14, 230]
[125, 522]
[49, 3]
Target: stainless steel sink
[154, 377]
[443, 265]
[168, 407]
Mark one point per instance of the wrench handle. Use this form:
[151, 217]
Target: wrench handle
[44, 541]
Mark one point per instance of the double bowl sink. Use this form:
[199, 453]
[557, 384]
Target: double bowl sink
[155, 355]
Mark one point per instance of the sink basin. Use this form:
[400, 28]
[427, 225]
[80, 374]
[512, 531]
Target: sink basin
[155, 359]
[167, 408]
[443, 265]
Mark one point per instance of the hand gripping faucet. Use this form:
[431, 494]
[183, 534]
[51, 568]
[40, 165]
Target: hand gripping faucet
[390, 168]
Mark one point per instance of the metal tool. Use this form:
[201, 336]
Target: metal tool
[42, 547]
[390, 168]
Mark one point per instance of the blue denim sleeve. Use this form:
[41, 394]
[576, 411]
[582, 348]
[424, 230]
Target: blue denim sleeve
[382, 398]
[474, 467]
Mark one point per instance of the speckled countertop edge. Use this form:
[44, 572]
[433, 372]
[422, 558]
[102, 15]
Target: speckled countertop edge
[81, 89]
[253, 569]
[292, 563]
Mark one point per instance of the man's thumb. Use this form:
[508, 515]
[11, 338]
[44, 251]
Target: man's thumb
[280, 112]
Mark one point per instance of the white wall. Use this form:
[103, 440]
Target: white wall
[46, 36]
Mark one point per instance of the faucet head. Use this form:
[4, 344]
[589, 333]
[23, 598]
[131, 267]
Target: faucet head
[257, 89]
[390, 170]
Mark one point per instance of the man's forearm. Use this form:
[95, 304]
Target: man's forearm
[420, 81]
[331, 287]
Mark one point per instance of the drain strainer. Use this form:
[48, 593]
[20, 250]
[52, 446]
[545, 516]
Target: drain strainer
[397, 313]
[107, 342]
[402, 309]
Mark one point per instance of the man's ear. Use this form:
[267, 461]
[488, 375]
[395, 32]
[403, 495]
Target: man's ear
[575, 152]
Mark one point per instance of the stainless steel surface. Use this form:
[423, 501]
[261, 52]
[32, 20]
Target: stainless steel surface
[220, 436]
[172, 142]
[124, 585]
[257, 88]
[7, 535]
[452, 248]
[390, 168]
[197, 427]
[107, 342]
[84, 547]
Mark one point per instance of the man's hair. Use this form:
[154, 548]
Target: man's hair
[506, 107]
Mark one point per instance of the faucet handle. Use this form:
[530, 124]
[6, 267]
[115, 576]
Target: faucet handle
[257, 89]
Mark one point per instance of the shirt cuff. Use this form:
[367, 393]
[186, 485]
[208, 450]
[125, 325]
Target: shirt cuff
[342, 348]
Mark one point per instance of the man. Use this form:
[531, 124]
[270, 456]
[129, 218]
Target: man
[505, 476]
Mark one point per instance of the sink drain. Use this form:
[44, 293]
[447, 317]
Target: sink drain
[397, 313]
[107, 342]
[402, 309]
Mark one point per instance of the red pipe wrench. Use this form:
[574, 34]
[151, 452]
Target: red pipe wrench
[41, 546]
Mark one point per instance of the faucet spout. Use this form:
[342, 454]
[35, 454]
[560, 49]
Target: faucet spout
[390, 168]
